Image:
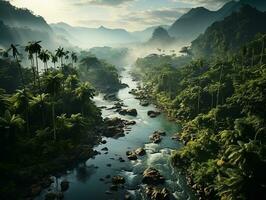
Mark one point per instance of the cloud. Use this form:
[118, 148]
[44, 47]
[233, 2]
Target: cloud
[212, 4]
[136, 20]
[164, 16]
[102, 2]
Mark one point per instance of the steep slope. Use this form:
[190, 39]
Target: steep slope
[227, 36]
[20, 26]
[189, 26]
[160, 38]
[146, 34]
[93, 36]
[192, 23]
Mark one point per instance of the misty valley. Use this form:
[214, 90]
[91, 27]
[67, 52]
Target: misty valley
[164, 100]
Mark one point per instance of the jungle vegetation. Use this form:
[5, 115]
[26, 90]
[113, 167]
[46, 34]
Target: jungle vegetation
[221, 103]
[48, 119]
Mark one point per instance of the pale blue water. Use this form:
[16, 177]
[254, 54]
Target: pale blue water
[84, 179]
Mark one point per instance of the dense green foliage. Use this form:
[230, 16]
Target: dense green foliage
[100, 74]
[227, 36]
[44, 120]
[222, 104]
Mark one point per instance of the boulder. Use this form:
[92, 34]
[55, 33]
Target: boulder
[176, 137]
[140, 151]
[131, 155]
[160, 132]
[155, 138]
[144, 103]
[153, 114]
[104, 149]
[128, 123]
[152, 176]
[157, 193]
[111, 97]
[103, 141]
[131, 112]
[121, 159]
[64, 185]
[116, 180]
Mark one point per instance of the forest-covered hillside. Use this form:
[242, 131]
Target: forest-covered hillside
[221, 103]
[229, 35]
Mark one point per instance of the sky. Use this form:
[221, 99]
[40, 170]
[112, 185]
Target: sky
[132, 15]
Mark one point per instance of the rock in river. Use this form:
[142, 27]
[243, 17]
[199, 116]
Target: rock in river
[116, 180]
[64, 185]
[157, 193]
[144, 103]
[131, 112]
[155, 138]
[152, 176]
[140, 152]
[131, 155]
[153, 114]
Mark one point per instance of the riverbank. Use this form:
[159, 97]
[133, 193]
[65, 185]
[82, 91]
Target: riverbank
[92, 179]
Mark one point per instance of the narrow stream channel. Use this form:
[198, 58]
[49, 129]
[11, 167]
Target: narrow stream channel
[85, 181]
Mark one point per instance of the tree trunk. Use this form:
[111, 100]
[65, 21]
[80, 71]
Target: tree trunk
[37, 70]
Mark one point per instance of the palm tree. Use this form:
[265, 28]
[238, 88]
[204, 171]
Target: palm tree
[54, 59]
[84, 92]
[20, 101]
[34, 47]
[38, 103]
[241, 153]
[15, 54]
[9, 124]
[44, 56]
[66, 54]
[53, 84]
[60, 54]
[74, 58]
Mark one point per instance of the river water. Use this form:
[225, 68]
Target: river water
[85, 183]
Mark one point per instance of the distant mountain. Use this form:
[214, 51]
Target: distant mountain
[227, 36]
[89, 37]
[146, 34]
[20, 26]
[189, 26]
[160, 38]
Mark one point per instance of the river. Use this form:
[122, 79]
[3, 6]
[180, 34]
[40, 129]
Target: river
[85, 183]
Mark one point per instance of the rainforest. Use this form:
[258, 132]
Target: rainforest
[132, 100]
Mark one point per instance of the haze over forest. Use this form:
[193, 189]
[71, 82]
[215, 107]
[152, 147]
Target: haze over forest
[132, 99]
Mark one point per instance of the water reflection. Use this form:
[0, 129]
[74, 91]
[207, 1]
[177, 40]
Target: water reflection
[83, 172]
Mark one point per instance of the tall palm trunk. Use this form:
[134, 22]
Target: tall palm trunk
[37, 72]
[33, 72]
